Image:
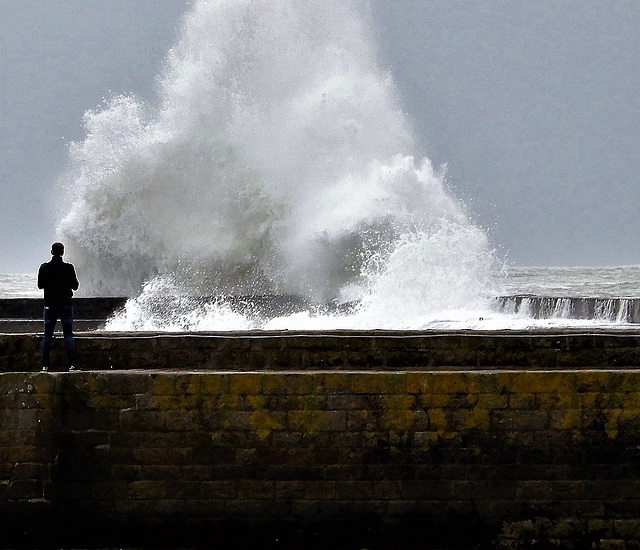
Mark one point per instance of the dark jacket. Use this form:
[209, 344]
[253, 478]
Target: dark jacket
[58, 279]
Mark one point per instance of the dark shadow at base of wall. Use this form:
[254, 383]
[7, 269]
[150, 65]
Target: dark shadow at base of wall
[364, 533]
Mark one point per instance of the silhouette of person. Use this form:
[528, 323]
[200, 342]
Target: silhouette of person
[58, 280]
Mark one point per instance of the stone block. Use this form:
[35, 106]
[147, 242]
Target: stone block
[387, 490]
[125, 472]
[287, 439]
[289, 489]
[117, 382]
[108, 490]
[361, 421]
[320, 490]
[256, 489]
[519, 420]
[31, 470]
[281, 472]
[181, 455]
[333, 421]
[25, 489]
[26, 453]
[354, 490]
[346, 472]
[214, 384]
[175, 421]
[378, 383]
[333, 383]
[157, 472]
[288, 383]
[236, 420]
[150, 455]
[628, 529]
[567, 489]
[148, 490]
[182, 490]
[532, 489]
[347, 402]
[426, 490]
[285, 402]
[4, 489]
[132, 420]
[247, 383]
[313, 422]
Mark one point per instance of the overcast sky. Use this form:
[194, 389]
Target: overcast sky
[533, 106]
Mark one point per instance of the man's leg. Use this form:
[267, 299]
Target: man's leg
[49, 317]
[66, 318]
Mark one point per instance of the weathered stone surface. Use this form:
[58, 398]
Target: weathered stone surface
[520, 454]
[382, 351]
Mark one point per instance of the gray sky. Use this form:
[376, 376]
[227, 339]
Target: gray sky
[532, 105]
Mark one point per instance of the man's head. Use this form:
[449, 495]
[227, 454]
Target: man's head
[57, 249]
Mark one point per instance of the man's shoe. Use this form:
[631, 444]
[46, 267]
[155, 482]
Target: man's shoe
[44, 369]
[73, 368]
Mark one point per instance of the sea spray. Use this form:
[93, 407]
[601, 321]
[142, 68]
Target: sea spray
[276, 161]
[426, 275]
[164, 305]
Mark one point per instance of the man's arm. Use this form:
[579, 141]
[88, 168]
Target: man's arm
[41, 276]
[74, 279]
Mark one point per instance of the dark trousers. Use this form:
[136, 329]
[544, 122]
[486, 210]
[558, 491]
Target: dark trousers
[51, 315]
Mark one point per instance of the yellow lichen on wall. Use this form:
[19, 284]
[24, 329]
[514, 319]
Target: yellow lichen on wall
[398, 416]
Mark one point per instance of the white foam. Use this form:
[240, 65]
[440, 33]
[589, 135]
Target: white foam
[277, 160]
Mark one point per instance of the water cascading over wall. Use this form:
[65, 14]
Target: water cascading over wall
[602, 310]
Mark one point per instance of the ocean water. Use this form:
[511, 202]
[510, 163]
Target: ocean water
[277, 160]
[565, 281]
[578, 282]
[19, 285]
[147, 311]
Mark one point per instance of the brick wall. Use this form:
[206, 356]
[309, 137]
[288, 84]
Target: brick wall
[503, 457]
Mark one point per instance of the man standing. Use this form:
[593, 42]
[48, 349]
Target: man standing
[58, 280]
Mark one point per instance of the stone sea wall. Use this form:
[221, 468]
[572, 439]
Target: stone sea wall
[340, 349]
[501, 440]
